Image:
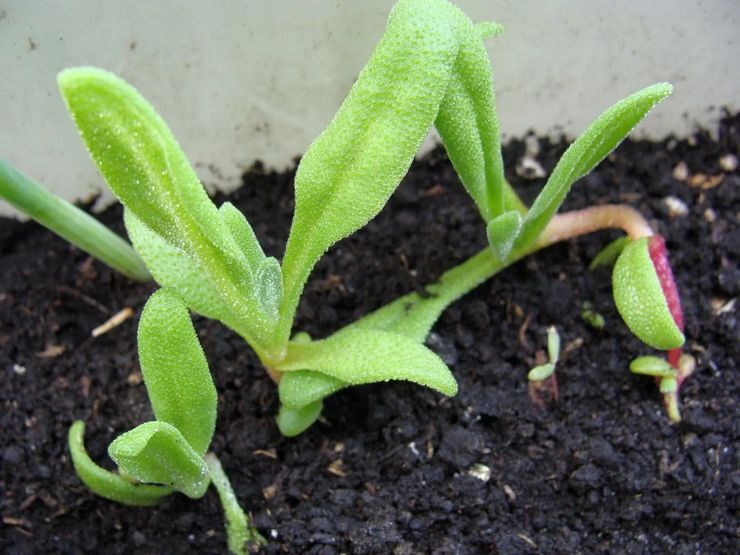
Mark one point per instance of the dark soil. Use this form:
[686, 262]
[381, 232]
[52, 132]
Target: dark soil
[388, 469]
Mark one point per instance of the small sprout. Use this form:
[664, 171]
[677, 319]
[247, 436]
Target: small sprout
[591, 317]
[542, 378]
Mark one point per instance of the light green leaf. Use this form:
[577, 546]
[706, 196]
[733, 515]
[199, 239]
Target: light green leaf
[299, 388]
[360, 356]
[540, 373]
[640, 299]
[468, 124]
[652, 366]
[156, 452]
[269, 280]
[295, 421]
[502, 231]
[172, 267]
[104, 482]
[596, 142]
[175, 369]
[69, 222]
[351, 169]
[243, 234]
[146, 169]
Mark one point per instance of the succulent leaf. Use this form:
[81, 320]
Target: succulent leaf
[640, 298]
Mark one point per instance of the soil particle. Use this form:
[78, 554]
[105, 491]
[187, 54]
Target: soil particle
[600, 471]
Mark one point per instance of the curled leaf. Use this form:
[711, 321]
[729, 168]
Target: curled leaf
[157, 453]
[293, 421]
[105, 483]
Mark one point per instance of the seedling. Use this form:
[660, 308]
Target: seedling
[430, 68]
[168, 454]
[542, 379]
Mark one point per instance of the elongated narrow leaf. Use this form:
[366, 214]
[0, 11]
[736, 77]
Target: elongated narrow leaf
[69, 222]
[468, 124]
[295, 421]
[608, 255]
[157, 453]
[502, 231]
[145, 167]
[175, 369]
[596, 142]
[106, 483]
[173, 268]
[243, 234]
[303, 387]
[351, 169]
[360, 356]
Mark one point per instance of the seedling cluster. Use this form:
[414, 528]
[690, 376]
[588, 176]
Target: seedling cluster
[430, 68]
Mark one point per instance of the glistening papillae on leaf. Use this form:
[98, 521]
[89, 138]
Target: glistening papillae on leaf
[175, 369]
[156, 452]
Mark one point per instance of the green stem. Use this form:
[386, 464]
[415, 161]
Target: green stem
[71, 223]
[238, 531]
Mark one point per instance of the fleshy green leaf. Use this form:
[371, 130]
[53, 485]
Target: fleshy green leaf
[640, 299]
[668, 385]
[502, 231]
[303, 387]
[542, 372]
[468, 125]
[360, 356]
[106, 483]
[175, 369]
[652, 366]
[172, 267]
[351, 169]
[146, 169]
[243, 234]
[293, 422]
[156, 452]
[596, 142]
[69, 222]
[609, 254]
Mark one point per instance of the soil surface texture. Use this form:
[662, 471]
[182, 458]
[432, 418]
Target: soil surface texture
[395, 468]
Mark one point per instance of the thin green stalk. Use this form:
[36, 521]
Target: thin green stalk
[71, 223]
[238, 531]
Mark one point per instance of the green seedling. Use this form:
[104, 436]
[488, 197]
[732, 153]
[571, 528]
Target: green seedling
[591, 317]
[168, 454]
[542, 379]
[430, 68]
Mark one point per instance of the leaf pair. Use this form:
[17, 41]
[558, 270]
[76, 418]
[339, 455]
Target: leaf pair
[169, 451]
[211, 257]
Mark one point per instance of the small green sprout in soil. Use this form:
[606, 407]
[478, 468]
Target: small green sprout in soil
[543, 383]
[430, 69]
